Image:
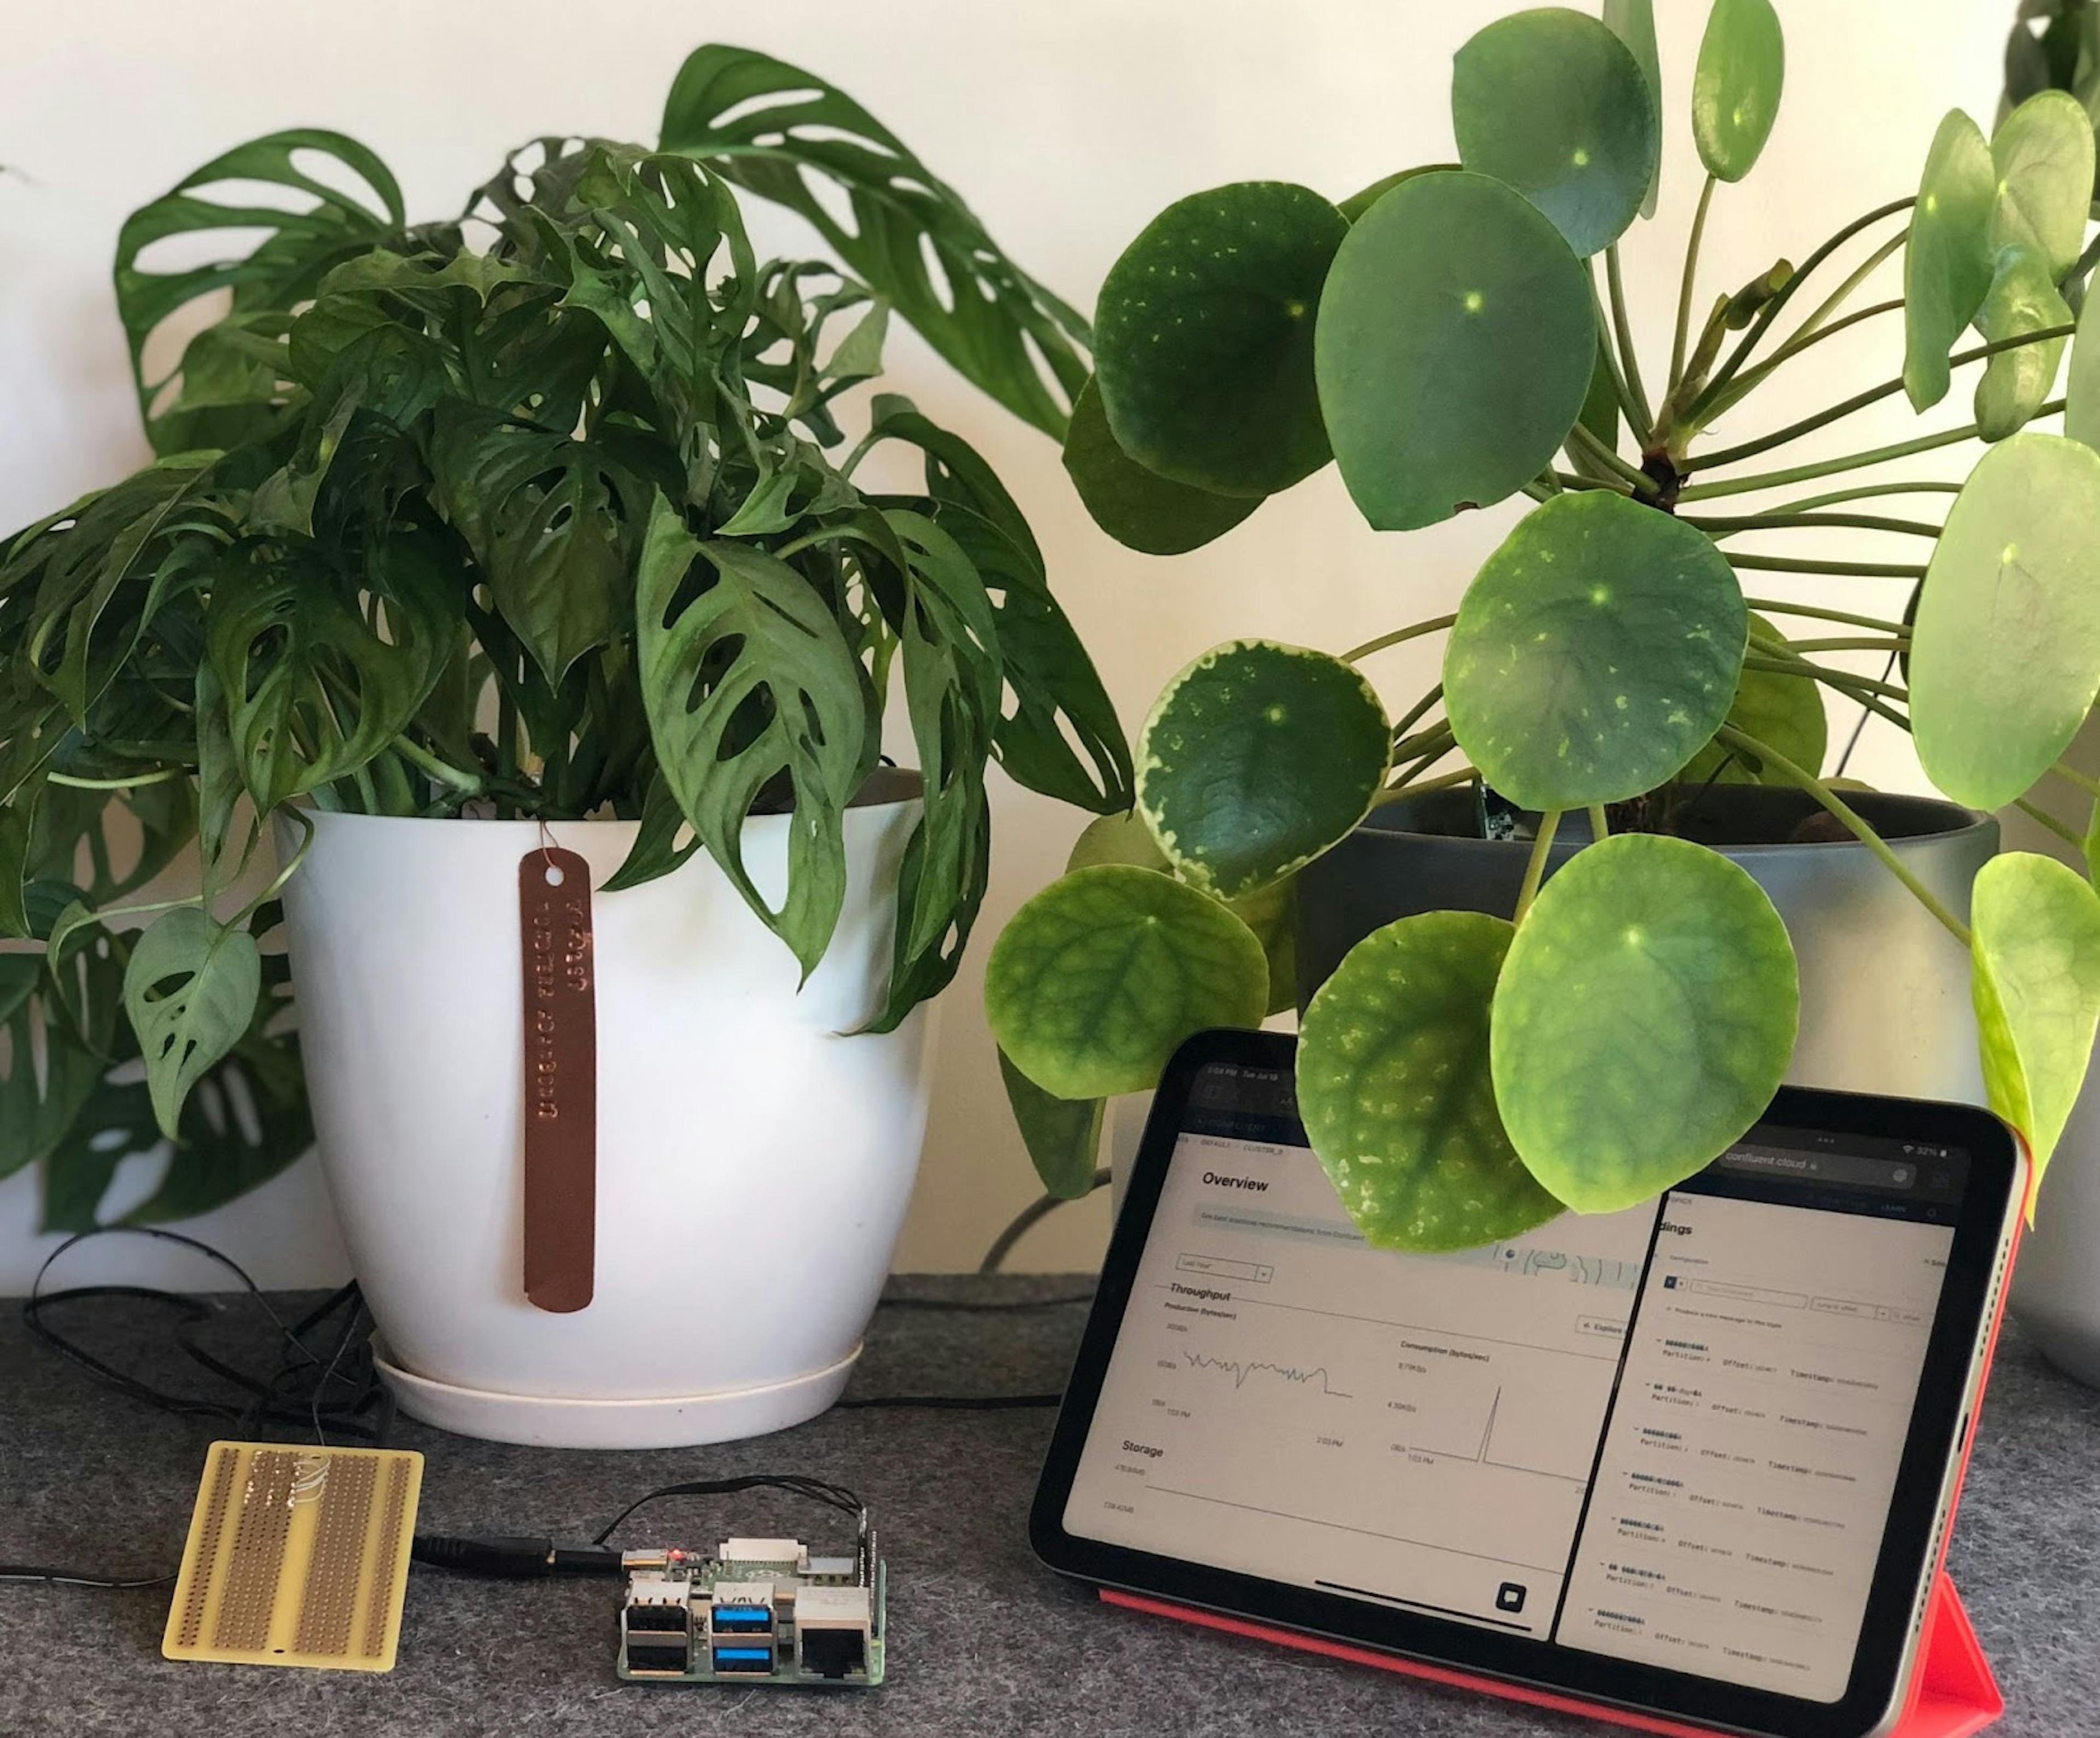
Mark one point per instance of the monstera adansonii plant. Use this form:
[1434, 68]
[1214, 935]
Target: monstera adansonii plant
[1457, 334]
[545, 511]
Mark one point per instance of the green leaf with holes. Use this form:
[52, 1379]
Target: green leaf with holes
[2035, 945]
[1396, 1091]
[1270, 911]
[2004, 659]
[1632, 23]
[2043, 152]
[1643, 1019]
[1256, 758]
[1063, 1135]
[1596, 651]
[226, 385]
[1947, 254]
[1099, 978]
[1784, 712]
[1140, 508]
[1553, 104]
[190, 989]
[780, 130]
[2022, 299]
[1203, 338]
[1736, 86]
[1455, 348]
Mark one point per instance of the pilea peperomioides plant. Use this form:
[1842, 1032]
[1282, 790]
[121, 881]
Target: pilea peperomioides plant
[1458, 334]
[532, 514]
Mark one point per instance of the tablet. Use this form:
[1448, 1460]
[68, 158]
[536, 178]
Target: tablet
[1695, 1459]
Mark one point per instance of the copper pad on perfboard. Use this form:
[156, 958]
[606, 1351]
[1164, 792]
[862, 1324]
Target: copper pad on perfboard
[297, 1556]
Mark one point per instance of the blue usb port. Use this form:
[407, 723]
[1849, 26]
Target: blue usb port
[743, 1659]
[743, 1619]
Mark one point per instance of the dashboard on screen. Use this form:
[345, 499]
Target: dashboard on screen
[1669, 1435]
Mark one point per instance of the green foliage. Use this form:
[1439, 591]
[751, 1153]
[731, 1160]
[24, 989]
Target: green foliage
[1139, 508]
[2037, 990]
[1101, 977]
[1062, 1135]
[1203, 345]
[1463, 352]
[1552, 103]
[541, 513]
[1450, 275]
[1257, 757]
[1643, 1020]
[1946, 258]
[1594, 653]
[2004, 657]
[1736, 87]
[1396, 1091]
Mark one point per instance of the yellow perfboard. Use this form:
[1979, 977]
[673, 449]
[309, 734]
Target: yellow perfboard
[296, 1557]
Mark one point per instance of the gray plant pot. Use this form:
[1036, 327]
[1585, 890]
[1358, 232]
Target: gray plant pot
[1885, 1004]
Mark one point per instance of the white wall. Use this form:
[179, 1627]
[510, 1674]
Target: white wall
[1068, 125]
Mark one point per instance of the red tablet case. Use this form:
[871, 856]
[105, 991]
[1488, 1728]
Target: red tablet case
[1953, 1692]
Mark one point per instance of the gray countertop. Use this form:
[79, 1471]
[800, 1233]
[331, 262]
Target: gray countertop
[983, 1640]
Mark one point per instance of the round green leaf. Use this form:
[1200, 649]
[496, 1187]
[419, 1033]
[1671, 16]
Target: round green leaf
[2015, 383]
[1258, 757]
[2035, 943]
[1395, 1089]
[1455, 342]
[1632, 23]
[1736, 87]
[1784, 712]
[1141, 510]
[2043, 152]
[1595, 652]
[2004, 659]
[2081, 385]
[1203, 341]
[1553, 104]
[1643, 1019]
[1947, 255]
[1270, 911]
[1100, 976]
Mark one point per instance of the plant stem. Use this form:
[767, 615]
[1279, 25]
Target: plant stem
[1770, 315]
[1869, 491]
[1569, 479]
[1397, 637]
[162, 777]
[1601, 825]
[284, 874]
[1441, 781]
[1792, 666]
[1902, 449]
[1535, 871]
[1417, 712]
[2041, 818]
[1807, 331]
[1712, 404]
[2090, 787]
[1881, 643]
[1781, 607]
[1641, 417]
[1717, 529]
[1685, 284]
[443, 771]
[1436, 740]
[1872, 395]
[1872, 569]
[1860, 830]
[1641, 482]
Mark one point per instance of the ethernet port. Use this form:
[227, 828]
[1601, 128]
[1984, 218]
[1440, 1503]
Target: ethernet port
[833, 1653]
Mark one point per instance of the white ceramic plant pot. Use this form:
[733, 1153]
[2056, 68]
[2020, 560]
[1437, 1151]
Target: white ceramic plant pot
[754, 1162]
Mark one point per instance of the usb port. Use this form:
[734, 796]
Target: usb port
[743, 1659]
[742, 1620]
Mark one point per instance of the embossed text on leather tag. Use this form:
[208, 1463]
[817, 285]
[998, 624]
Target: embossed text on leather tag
[561, 1078]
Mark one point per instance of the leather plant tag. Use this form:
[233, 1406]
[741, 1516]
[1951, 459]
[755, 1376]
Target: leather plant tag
[561, 1078]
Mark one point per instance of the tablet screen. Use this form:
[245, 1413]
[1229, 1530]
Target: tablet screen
[1668, 1436]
